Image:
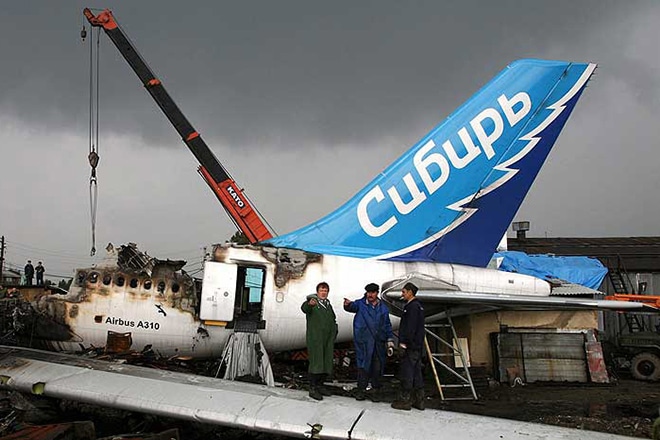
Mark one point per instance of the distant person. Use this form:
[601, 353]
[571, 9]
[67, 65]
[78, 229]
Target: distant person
[39, 270]
[321, 335]
[411, 342]
[29, 273]
[373, 338]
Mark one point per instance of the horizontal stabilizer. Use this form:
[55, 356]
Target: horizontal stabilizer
[435, 292]
[526, 302]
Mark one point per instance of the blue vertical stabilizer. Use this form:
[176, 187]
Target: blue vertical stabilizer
[451, 197]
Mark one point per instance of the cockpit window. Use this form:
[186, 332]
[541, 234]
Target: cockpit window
[93, 277]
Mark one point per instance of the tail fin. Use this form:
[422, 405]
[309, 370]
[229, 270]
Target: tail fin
[451, 197]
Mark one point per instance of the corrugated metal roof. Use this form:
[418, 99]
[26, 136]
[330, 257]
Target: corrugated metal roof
[564, 288]
[652, 244]
[638, 253]
[9, 273]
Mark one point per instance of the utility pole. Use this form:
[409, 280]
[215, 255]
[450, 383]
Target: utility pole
[2, 256]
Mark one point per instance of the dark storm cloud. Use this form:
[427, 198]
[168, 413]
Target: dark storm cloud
[287, 72]
[304, 102]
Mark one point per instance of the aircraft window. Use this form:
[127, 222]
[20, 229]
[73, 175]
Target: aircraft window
[93, 277]
[161, 287]
[107, 279]
[175, 287]
[147, 284]
[134, 283]
[119, 280]
[81, 278]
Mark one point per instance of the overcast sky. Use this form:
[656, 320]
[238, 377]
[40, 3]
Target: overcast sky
[304, 102]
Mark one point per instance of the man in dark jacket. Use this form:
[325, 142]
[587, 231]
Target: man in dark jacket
[321, 335]
[39, 270]
[411, 342]
[372, 334]
[29, 273]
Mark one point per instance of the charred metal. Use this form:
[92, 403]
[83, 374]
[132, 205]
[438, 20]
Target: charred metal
[289, 263]
[44, 316]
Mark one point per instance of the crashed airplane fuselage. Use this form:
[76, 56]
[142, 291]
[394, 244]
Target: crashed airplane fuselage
[245, 288]
[439, 210]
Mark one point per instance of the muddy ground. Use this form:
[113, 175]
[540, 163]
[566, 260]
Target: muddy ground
[625, 407]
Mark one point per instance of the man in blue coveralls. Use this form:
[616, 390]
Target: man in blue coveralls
[372, 334]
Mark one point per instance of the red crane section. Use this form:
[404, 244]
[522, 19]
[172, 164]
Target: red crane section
[241, 212]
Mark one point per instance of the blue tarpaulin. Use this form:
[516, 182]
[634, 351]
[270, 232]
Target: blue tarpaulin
[585, 271]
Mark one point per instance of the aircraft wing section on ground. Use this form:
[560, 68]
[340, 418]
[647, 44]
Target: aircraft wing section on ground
[248, 406]
[435, 292]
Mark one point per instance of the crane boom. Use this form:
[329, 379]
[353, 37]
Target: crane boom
[244, 216]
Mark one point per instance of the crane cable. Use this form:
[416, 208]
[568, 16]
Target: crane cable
[93, 155]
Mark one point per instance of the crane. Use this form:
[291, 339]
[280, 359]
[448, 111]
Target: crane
[230, 195]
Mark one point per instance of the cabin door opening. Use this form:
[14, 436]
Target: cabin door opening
[249, 294]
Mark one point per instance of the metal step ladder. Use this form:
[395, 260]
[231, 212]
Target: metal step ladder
[618, 281]
[622, 284]
[444, 334]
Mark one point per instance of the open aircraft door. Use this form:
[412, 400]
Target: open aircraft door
[218, 291]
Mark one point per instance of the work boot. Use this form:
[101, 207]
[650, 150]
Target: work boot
[359, 394]
[324, 390]
[314, 380]
[418, 399]
[315, 394]
[403, 402]
[374, 395]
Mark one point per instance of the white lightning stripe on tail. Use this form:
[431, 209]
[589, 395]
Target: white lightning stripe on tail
[532, 139]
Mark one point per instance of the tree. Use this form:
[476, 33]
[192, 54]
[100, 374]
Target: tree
[239, 238]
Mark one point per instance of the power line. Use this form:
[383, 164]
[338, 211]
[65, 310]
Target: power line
[193, 256]
[65, 254]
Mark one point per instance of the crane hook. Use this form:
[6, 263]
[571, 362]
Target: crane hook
[93, 162]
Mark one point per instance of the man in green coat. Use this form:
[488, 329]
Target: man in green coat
[321, 335]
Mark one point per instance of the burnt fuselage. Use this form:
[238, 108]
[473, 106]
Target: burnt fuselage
[245, 288]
